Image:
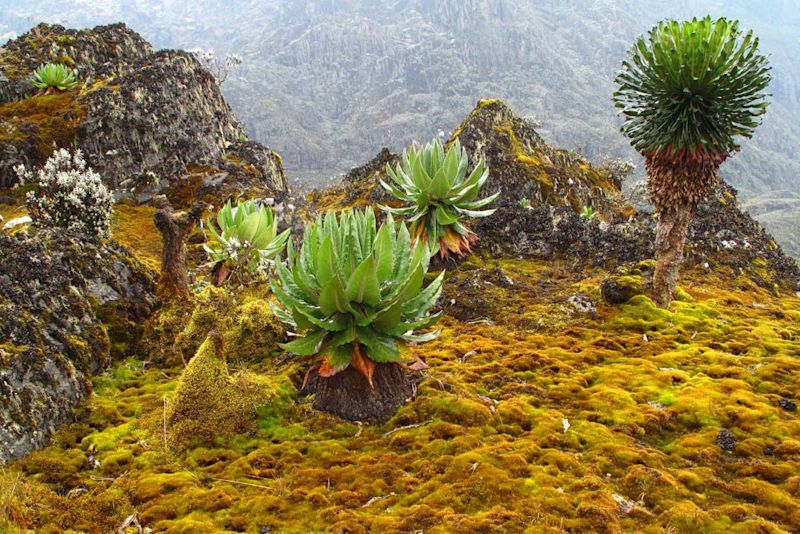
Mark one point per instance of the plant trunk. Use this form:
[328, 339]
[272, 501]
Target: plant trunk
[174, 279]
[673, 225]
[676, 185]
[348, 395]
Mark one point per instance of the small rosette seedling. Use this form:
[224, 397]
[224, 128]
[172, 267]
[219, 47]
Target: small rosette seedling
[54, 77]
[245, 238]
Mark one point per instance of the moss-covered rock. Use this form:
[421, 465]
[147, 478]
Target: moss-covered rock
[249, 328]
[68, 303]
[148, 122]
[523, 166]
[621, 289]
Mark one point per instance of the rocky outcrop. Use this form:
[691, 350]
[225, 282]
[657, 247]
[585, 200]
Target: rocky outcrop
[722, 233]
[97, 53]
[525, 168]
[149, 122]
[359, 187]
[544, 190]
[68, 302]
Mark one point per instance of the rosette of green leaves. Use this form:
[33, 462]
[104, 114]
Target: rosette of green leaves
[439, 193]
[245, 235]
[356, 294]
[691, 87]
[54, 76]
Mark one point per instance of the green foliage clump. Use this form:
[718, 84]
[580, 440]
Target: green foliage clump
[588, 213]
[54, 76]
[247, 238]
[439, 194]
[686, 92]
[692, 87]
[355, 292]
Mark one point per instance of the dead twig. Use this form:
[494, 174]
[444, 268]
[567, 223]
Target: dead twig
[240, 483]
[164, 427]
[107, 479]
[467, 356]
[406, 427]
[376, 499]
[131, 520]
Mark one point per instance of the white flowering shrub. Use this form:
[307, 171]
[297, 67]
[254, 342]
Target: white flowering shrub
[618, 169]
[68, 194]
[221, 68]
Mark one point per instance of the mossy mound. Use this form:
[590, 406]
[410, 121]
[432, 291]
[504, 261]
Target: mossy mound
[210, 406]
[579, 422]
[246, 322]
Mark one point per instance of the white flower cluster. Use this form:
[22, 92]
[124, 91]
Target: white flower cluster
[619, 169]
[68, 194]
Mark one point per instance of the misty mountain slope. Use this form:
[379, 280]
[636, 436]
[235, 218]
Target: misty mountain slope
[327, 83]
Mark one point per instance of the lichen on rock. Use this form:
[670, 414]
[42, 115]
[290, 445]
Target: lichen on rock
[148, 122]
[69, 302]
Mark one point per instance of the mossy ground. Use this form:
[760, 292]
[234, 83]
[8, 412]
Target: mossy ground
[134, 228]
[44, 122]
[645, 393]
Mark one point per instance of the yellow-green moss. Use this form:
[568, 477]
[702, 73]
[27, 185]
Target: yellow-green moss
[49, 122]
[134, 228]
[644, 393]
[249, 328]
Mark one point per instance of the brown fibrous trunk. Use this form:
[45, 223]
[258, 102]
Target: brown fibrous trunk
[675, 187]
[174, 279]
[348, 394]
[673, 225]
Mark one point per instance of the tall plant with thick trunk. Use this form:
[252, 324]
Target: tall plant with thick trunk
[687, 92]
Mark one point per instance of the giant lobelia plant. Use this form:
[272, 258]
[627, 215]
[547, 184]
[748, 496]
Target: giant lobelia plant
[355, 295]
[247, 239]
[688, 91]
[439, 194]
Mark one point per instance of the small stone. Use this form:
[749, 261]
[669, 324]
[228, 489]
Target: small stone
[788, 404]
[582, 304]
[726, 441]
[617, 290]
